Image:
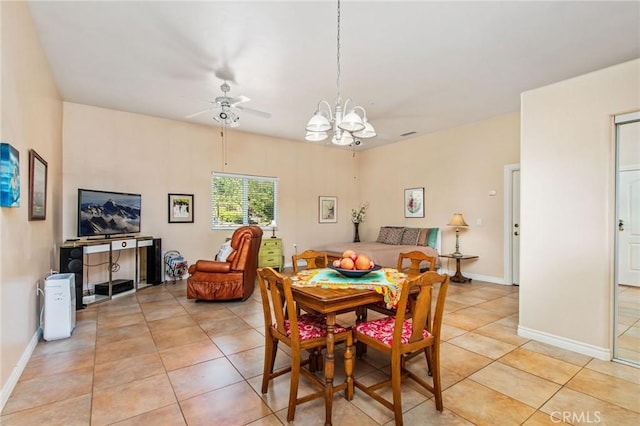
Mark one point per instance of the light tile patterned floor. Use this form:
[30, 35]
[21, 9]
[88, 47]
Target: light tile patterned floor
[156, 358]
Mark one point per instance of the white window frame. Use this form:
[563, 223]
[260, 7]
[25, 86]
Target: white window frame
[245, 206]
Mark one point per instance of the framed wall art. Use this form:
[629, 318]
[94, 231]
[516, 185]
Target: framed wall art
[9, 176]
[37, 187]
[180, 208]
[414, 202]
[327, 209]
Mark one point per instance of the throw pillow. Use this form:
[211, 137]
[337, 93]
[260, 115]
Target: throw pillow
[423, 237]
[410, 236]
[432, 240]
[390, 235]
[224, 252]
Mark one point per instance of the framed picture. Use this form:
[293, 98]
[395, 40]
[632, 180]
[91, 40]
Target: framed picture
[327, 209]
[180, 208]
[37, 187]
[414, 202]
[9, 176]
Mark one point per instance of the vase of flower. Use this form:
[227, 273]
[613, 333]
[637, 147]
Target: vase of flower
[358, 216]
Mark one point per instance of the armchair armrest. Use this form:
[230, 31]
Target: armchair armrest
[211, 266]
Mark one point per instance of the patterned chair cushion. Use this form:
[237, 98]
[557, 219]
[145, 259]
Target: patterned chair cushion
[382, 330]
[312, 326]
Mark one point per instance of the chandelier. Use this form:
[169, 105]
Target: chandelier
[347, 125]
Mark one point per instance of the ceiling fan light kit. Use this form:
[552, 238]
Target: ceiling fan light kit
[347, 127]
[224, 106]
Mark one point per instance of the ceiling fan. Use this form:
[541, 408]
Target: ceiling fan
[225, 106]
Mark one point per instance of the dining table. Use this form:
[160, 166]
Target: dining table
[328, 292]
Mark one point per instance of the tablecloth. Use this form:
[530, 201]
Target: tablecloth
[386, 281]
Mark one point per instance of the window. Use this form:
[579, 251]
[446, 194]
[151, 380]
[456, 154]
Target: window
[238, 200]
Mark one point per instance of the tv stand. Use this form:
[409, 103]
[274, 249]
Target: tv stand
[145, 248]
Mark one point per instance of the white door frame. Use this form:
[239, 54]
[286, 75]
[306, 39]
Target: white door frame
[508, 202]
[619, 120]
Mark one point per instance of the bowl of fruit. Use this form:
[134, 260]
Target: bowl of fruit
[353, 265]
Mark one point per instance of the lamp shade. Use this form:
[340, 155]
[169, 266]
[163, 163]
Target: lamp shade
[318, 123]
[367, 132]
[316, 136]
[457, 220]
[351, 122]
[344, 139]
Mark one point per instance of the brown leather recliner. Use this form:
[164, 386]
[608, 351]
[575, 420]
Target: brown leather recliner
[234, 278]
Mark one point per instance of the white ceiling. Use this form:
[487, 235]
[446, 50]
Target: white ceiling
[415, 66]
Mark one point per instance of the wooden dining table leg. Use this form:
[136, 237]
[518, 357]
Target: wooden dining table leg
[329, 368]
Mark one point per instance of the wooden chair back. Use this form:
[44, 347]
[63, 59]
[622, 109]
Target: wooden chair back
[314, 259]
[422, 316]
[416, 258]
[277, 303]
[417, 292]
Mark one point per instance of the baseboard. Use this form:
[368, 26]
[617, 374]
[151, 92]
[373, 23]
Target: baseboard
[564, 343]
[19, 368]
[477, 277]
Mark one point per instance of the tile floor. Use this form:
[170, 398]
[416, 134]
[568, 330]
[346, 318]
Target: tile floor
[156, 358]
[629, 323]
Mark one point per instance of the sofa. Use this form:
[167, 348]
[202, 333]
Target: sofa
[391, 241]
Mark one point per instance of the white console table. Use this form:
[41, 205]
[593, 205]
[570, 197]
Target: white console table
[112, 246]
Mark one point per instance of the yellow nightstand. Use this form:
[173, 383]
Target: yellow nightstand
[271, 253]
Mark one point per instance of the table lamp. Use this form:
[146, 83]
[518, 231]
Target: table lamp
[458, 221]
[273, 226]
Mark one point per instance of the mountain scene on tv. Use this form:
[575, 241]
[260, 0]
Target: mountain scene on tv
[108, 218]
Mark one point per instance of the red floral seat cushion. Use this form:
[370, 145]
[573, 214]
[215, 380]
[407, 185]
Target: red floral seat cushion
[312, 326]
[382, 330]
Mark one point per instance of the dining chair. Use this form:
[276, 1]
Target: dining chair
[416, 259]
[299, 332]
[314, 260]
[400, 337]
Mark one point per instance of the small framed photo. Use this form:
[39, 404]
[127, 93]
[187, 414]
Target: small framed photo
[414, 202]
[37, 187]
[327, 209]
[180, 208]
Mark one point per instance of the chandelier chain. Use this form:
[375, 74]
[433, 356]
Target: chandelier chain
[338, 56]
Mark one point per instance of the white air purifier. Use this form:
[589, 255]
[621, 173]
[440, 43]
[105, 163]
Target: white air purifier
[59, 306]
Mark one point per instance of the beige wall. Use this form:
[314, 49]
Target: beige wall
[31, 119]
[457, 167]
[153, 156]
[567, 205]
[118, 151]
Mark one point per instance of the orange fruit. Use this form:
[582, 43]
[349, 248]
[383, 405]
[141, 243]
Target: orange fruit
[346, 263]
[348, 253]
[363, 262]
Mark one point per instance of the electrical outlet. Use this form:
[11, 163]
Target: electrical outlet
[38, 287]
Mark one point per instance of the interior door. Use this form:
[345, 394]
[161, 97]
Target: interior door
[629, 228]
[515, 227]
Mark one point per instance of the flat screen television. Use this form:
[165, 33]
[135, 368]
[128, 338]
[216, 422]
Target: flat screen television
[104, 213]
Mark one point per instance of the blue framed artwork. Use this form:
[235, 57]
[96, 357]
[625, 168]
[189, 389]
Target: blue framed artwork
[9, 176]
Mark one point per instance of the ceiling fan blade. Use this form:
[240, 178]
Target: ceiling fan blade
[253, 111]
[199, 113]
[238, 100]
